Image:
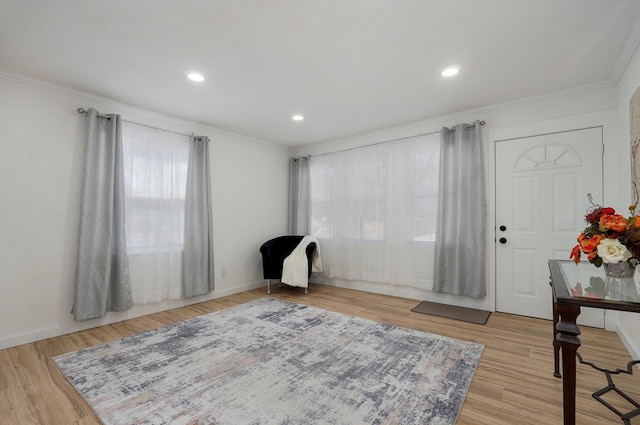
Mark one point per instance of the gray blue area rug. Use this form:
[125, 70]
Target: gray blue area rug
[273, 362]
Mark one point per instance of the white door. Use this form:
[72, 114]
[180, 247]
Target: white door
[541, 200]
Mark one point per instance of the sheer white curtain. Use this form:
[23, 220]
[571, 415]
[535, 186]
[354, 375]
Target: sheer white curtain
[374, 211]
[155, 170]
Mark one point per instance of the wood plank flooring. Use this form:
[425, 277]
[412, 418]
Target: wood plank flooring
[513, 385]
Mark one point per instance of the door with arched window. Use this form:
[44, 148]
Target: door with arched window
[541, 199]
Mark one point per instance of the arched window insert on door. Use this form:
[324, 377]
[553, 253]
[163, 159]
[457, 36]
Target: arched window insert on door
[546, 156]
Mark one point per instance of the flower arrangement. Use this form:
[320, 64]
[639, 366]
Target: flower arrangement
[608, 237]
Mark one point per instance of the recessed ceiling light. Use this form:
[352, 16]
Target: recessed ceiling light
[297, 117]
[449, 72]
[194, 76]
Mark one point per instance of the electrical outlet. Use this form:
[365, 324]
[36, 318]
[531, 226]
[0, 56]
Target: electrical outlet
[224, 273]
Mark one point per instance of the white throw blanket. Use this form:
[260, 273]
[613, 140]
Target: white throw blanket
[295, 270]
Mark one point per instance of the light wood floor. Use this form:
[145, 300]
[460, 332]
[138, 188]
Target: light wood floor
[513, 385]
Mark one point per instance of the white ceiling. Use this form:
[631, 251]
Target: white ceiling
[349, 66]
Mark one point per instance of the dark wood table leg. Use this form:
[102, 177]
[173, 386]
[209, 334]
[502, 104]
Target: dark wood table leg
[567, 338]
[556, 344]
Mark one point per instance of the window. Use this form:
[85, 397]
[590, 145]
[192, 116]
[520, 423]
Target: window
[155, 173]
[374, 210]
[386, 193]
[322, 179]
[365, 194]
[422, 182]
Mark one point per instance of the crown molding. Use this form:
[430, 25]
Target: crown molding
[436, 123]
[145, 116]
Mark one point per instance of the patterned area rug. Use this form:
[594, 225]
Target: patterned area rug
[273, 362]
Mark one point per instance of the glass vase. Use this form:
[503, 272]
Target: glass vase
[621, 269]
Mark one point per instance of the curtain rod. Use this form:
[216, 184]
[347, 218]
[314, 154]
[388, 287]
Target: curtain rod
[482, 122]
[84, 112]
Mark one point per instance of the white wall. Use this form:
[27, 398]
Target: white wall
[628, 324]
[585, 107]
[41, 153]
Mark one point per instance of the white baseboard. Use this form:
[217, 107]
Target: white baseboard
[142, 310]
[112, 317]
[408, 292]
[630, 336]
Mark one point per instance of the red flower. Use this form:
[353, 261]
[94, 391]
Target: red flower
[594, 216]
[613, 222]
[590, 245]
[575, 254]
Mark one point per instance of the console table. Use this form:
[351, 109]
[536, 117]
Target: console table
[574, 286]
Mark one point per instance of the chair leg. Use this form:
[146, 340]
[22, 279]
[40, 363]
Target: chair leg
[268, 286]
[305, 291]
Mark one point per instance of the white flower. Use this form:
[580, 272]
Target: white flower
[612, 251]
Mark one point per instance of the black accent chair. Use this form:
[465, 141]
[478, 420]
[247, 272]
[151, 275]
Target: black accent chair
[275, 250]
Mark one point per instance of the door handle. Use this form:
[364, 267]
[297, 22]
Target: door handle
[503, 240]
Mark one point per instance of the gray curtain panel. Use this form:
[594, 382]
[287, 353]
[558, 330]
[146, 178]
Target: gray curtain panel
[197, 257]
[460, 250]
[298, 222]
[102, 274]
